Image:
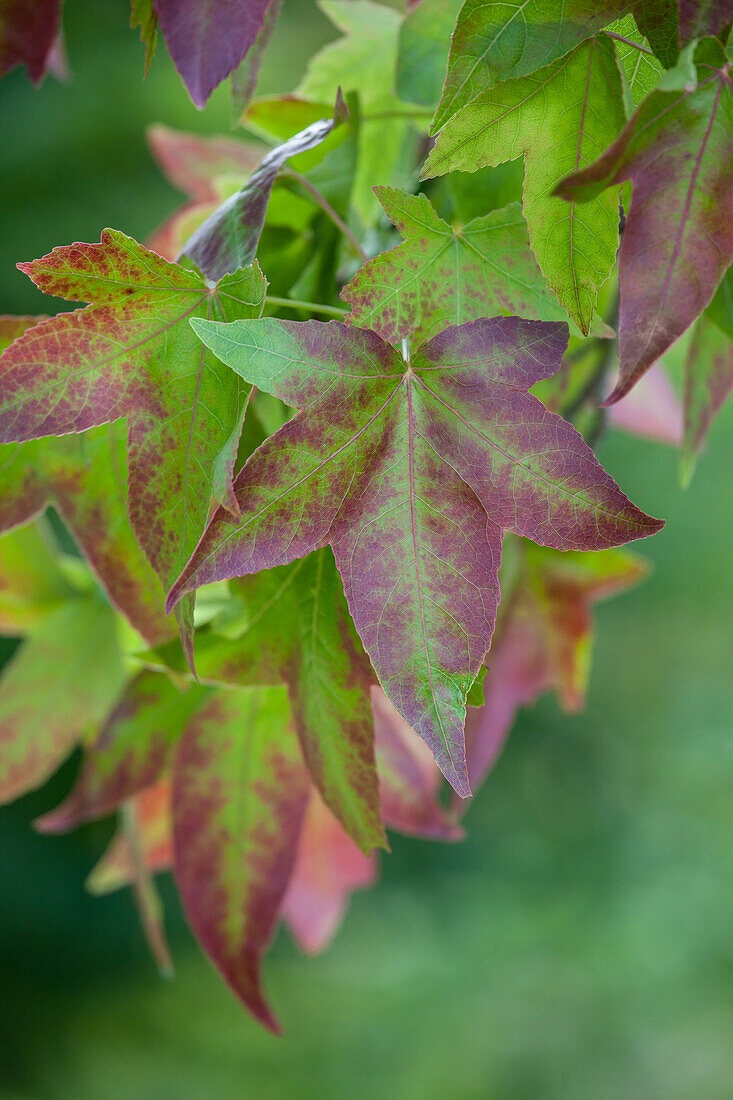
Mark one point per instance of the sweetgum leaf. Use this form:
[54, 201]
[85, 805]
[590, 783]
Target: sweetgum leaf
[207, 39]
[295, 626]
[677, 150]
[422, 55]
[544, 641]
[229, 237]
[85, 479]
[559, 119]
[239, 794]
[642, 71]
[496, 42]
[410, 471]
[28, 30]
[442, 276]
[40, 718]
[193, 163]
[708, 382]
[131, 751]
[142, 15]
[328, 868]
[132, 353]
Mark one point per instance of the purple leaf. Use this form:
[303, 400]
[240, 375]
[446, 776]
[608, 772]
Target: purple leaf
[28, 30]
[207, 39]
[677, 150]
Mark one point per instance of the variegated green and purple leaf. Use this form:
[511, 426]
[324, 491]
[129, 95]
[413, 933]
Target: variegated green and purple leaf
[131, 353]
[677, 150]
[239, 794]
[411, 470]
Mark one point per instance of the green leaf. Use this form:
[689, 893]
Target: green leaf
[499, 41]
[363, 61]
[442, 276]
[424, 43]
[31, 582]
[559, 118]
[641, 70]
[239, 794]
[143, 15]
[62, 680]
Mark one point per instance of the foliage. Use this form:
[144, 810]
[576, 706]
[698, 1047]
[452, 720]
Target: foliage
[375, 508]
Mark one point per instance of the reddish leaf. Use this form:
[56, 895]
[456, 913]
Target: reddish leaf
[239, 793]
[677, 150]
[194, 163]
[40, 717]
[699, 18]
[207, 39]
[246, 75]
[28, 30]
[116, 867]
[132, 353]
[651, 410]
[131, 751]
[544, 641]
[328, 869]
[410, 471]
[409, 780]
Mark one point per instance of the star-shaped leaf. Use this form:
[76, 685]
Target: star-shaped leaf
[441, 276]
[677, 150]
[28, 30]
[559, 118]
[132, 354]
[410, 471]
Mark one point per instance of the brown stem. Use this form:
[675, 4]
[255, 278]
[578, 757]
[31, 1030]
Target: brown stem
[327, 209]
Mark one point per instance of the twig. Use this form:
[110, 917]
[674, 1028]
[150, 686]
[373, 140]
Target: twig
[327, 209]
[630, 42]
[312, 307]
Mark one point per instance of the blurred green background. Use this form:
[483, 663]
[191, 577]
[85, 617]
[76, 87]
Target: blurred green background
[576, 946]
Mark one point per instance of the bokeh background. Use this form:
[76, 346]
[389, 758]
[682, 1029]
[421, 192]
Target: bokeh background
[576, 946]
